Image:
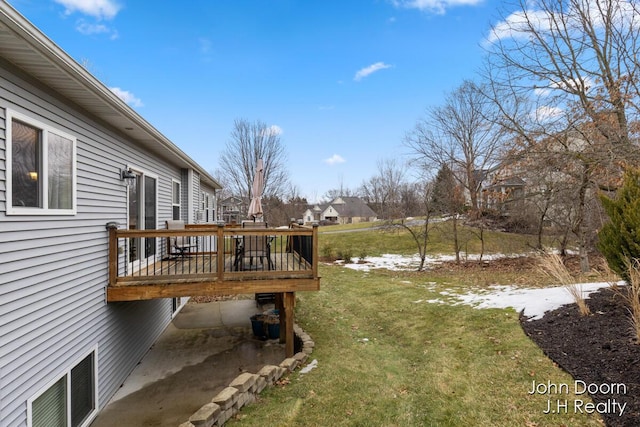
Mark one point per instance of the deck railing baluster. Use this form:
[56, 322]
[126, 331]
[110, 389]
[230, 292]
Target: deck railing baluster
[291, 257]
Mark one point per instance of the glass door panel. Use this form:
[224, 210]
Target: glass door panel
[150, 219]
[134, 218]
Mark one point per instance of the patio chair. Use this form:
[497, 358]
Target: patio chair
[254, 246]
[179, 245]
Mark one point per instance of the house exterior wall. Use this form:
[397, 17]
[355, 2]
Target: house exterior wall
[208, 203]
[53, 269]
[329, 214]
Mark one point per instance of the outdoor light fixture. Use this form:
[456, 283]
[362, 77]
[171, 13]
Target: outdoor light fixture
[128, 176]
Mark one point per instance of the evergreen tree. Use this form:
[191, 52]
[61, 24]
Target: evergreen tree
[445, 199]
[619, 239]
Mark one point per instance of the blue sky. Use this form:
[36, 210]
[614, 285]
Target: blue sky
[343, 80]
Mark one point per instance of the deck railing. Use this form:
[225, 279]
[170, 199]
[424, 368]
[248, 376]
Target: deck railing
[206, 259]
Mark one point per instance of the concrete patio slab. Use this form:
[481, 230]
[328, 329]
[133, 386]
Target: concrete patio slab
[205, 347]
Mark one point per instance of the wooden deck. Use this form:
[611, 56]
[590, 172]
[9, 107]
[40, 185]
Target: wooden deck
[216, 266]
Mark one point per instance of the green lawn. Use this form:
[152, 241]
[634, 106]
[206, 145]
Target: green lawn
[334, 239]
[384, 360]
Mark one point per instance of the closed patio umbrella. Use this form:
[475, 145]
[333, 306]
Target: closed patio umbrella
[255, 207]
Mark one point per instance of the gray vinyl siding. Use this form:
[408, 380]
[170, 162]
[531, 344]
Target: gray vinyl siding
[197, 198]
[184, 197]
[3, 167]
[53, 269]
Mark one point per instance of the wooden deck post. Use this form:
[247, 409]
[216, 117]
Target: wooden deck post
[314, 250]
[112, 227]
[289, 304]
[280, 308]
[220, 249]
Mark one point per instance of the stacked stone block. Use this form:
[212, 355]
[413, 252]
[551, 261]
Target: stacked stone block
[245, 388]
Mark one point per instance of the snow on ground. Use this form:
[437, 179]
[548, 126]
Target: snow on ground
[534, 302]
[404, 262]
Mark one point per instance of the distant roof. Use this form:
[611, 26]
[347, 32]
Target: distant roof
[233, 200]
[26, 47]
[512, 181]
[354, 207]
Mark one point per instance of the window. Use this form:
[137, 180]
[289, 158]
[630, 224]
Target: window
[207, 207]
[176, 199]
[40, 169]
[70, 401]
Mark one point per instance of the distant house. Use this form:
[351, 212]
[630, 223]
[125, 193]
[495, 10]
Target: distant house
[233, 209]
[73, 158]
[498, 188]
[341, 210]
[503, 192]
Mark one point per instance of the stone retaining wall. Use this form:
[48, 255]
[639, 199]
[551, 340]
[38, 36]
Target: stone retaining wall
[245, 388]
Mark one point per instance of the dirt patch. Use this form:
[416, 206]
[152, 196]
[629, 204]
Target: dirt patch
[523, 271]
[598, 350]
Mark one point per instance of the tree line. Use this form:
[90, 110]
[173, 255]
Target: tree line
[547, 125]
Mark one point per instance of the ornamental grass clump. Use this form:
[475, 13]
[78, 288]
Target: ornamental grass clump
[553, 266]
[632, 297]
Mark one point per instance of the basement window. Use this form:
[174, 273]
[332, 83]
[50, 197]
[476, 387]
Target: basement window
[70, 401]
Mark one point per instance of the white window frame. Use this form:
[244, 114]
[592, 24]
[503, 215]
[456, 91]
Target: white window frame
[173, 204]
[67, 373]
[45, 130]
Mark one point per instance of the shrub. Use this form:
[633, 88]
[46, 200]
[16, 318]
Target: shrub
[327, 251]
[346, 255]
[619, 239]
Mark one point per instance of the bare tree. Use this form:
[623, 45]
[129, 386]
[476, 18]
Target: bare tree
[565, 77]
[463, 134]
[572, 61]
[384, 191]
[419, 229]
[250, 142]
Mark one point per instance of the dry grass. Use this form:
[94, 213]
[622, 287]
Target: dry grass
[553, 266]
[631, 296]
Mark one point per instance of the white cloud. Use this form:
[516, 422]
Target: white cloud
[434, 6]
[88, 29]
[335, 159]
[275, 130]
[127, 97]
[364, 72]
[100, 9]
[521, 24]
[546, 113]
[518, 25]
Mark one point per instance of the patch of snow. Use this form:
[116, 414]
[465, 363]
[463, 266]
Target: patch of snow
[534, 302]
[397, 262]
[309, 367]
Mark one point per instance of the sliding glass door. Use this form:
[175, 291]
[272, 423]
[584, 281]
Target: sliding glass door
[142, 194]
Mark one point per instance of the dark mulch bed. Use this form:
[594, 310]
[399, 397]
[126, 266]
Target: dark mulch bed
[598, 349]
